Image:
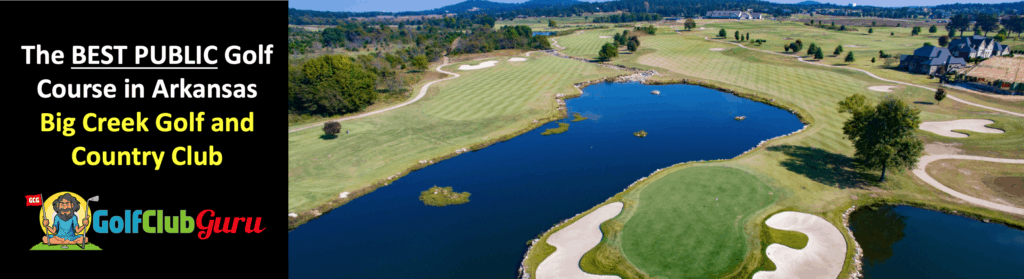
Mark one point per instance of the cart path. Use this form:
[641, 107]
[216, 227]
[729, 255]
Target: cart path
[925, 160]
[423, 92]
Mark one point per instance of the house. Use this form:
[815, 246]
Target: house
[931, 60]
[977, 47]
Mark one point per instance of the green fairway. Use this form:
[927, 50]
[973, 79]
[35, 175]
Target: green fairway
[71, 247]
[587, 45]
[683, 231]
[480, 106]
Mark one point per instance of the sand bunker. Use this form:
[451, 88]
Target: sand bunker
[717, 49]
[479, 66]
[882, 88]
[516, 59]
[822, 258]
[343, 195]
[606, 37]
[575, 240]
[852, 46]
[945, 128]
[293, 215]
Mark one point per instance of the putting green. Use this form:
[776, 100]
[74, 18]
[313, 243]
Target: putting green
[682, 231]
[71, 247]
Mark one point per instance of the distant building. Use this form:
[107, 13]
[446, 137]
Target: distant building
[977, 47]
[931, 60]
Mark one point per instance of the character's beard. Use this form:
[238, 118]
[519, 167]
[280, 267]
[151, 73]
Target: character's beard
[65, 216]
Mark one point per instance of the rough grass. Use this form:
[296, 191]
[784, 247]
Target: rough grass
[977, 179]
[391, 143]
[562, 127]
[681, 230]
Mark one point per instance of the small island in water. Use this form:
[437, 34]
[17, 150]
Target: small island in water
[443, 196]
[640, 134]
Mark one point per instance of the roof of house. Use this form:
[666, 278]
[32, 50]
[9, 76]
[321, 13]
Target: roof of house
[937, 56]
[1007, 69]
[972, 43]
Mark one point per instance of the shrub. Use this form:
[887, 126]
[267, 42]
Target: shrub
[331, 129]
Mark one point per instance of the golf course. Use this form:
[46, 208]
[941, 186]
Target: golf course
[703, 195]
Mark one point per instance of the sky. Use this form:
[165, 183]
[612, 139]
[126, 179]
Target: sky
[419, 5]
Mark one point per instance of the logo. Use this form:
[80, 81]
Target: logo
[64, 218]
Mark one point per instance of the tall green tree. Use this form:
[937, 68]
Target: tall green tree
[987, 23]
[818, 54]
[883, 134]
[334, 85]
[608, 51]
[838, 51]
[419, 62]
[933, 29]
[811, 49]
[943, 41]
[940, 94]
[552, 23]
[871, 30]
[849, 57]
[631, 46]
[721, 33]
[959, 22]
[689, 24]
[737, 35]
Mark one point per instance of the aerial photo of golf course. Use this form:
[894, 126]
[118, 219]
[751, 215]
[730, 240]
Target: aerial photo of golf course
[655, 139]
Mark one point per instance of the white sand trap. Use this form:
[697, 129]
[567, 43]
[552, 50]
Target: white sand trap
[852, 46]
[343, 195]
[516, 59]
[606, 37]
[479, 66]
[945, 128]
[823, 257]
[575, 240]
[293, 215]
[717, 49]
[882, 88]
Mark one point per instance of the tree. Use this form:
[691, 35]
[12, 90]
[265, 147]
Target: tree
[811, 49]
[689, 24]
[631, 46]
[838, 51]
[959, 22]
[737, 35]
[883, 136]
[331, 129]
[892, 33]
[721, 33]
[943, 41]
[915, 31]
[873, 23]
[333, 84]
[552, 23]
[928, 44]
[842, 28]
[795, 47]
[987, 22]
[849, 57]
[933, 29]
[419, 62]
[940, 94]
[871, 30]
[786, 47]
[747, 38]
[872, 60]
[608, 51]
[952, 33]
[818, 54]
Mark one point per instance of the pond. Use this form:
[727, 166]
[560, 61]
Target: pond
[535, 33]
[521, 187]
[909, 242]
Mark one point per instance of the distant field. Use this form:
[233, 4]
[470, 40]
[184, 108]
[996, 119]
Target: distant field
[480, 105]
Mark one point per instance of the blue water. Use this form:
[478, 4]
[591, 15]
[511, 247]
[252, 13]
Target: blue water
[535, 33]
[909, 242]
[523, 186]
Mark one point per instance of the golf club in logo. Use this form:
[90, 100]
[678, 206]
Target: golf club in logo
[65, 219]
